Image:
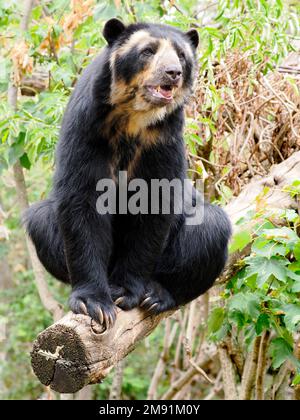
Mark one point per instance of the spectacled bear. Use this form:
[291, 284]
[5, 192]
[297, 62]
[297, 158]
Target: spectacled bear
[127, 114]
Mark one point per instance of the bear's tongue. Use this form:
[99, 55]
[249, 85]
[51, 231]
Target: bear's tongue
[164, 91]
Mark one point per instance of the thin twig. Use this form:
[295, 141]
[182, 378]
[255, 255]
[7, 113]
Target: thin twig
[261, 366]
[201, 371]
[248, 377]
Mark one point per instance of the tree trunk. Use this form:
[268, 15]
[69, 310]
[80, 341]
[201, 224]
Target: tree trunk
[74, 352]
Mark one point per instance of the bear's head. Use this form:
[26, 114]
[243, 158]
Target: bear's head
[152, 68]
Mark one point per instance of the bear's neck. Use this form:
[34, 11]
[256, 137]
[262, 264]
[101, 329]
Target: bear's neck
[147, 126]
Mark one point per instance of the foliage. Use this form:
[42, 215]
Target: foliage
[264, 293]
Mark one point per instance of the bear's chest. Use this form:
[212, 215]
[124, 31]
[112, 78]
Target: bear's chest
[128, 150]
[126, 154]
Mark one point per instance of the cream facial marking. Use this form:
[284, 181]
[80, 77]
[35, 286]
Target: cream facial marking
[140, 38]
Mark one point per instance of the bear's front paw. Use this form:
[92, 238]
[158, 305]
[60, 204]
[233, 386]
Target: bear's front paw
[99, 307]
[127, 290]
[157, 299]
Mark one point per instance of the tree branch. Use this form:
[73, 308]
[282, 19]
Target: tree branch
[228, 373]
[116, 386]
[248, 378]
[75, 352]
[160, 367]
[261, 366]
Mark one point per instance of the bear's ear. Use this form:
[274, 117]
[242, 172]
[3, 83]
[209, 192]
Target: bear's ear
[112, 30]
[193, 36]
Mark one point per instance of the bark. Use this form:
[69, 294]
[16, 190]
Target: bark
[85, 394]
[74, 352]
[281, 378]
[37, 82]
[228, 374]
[250, 368]
[70, 354]
[261, 366]
[116, 386]
[28, 5]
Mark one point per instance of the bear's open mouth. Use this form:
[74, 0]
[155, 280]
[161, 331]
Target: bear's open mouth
[164, 92]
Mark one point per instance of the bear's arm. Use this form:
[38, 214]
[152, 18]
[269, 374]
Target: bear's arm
[86, 234]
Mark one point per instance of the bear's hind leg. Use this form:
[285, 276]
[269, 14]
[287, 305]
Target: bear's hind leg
[42, 227]
[127, 289]
[191, 262]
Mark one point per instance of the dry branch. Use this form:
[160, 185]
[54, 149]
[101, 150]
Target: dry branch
[228, 373]
[115, 392]
[248, 378]
[160, 367]
[261, 366]
[70, 354]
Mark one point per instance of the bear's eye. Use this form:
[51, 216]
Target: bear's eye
[181, 55]
[147, 52]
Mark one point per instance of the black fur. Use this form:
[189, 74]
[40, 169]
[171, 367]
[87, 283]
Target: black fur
[154, 260]
[112, 30]
[129, 65]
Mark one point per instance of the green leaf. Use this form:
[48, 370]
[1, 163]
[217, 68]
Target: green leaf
[246, 303]
[210, 46]
[25, 162]
[249, 334]
[265, 268]
[15, 152]
[215, 320]
[296, 380]
[290, 215]
[296, 251]
[268, 249]
[239, 318]
[294, 267]
[281, 351]
[292, 275]
[240, 240]
[296, 287]
[36, 12]
[292, 317]
[262, 323]
[293, 189]
[282, 235]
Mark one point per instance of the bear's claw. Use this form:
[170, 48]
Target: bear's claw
[101, 310]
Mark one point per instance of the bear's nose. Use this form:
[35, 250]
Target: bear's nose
[173, 72]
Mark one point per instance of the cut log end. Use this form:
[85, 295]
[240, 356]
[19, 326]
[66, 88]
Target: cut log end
[59, 358]
[75, 352]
